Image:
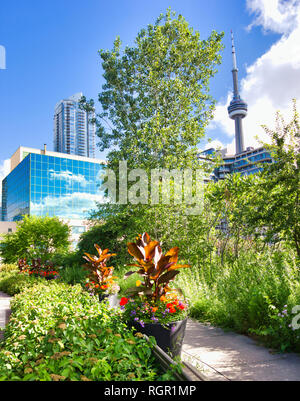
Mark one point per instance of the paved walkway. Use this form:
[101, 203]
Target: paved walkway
[227, 356]
[4, 310]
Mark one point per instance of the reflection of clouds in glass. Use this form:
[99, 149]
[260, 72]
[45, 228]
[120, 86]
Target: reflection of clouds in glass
[2, 58]
[70, 177]
[72, 206]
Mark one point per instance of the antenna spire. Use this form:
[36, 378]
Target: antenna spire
[233, 52]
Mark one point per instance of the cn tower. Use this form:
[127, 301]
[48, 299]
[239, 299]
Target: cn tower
[237, 109]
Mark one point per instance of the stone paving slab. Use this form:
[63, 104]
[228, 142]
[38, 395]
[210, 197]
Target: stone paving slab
[229, 356]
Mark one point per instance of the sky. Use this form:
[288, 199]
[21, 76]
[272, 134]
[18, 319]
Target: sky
[52, 53]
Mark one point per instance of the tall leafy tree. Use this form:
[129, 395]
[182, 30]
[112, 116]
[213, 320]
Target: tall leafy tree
[155, 108]
[277, 196]
[156, 97]
[265, 206]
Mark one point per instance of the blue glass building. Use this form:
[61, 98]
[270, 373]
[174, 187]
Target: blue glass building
[48, 183]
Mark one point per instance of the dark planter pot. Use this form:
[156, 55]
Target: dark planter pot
[102, 297]
[169, 337]
[113, 301]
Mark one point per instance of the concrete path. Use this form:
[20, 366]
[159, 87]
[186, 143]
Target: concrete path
[4, 310]
[227, 356]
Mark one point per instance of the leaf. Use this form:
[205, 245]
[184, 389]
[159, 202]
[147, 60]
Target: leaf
[150, 249]
[175, 267]
[133, 290]
[88, 257]
[165, 278]
[134, 251]
[98, 249]
[126, 275]
[173, 254]
[146, 238]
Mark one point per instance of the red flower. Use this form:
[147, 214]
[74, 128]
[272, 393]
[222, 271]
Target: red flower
[123, 301]
[172, 310]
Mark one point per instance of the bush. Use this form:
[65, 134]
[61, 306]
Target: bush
[8, 267]
[248, 296]
[111, 236]
[59, 332]
[36, 237]
[67, 259]
[73, 275]
[13, 282]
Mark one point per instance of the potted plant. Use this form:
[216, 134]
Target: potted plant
[100, 280]
[153, 307]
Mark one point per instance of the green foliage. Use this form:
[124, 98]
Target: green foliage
[36, 237]
[279, 189]
[67, 259]
[70, 267]
[100, 279]
[58, 332]
[13, 282]
[247, 295]
[156, 94]
[8, 267]
[115, 232]
[73, 275]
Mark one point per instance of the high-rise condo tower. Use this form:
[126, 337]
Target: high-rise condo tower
[73, 131]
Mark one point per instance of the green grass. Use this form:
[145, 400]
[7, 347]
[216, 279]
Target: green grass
[247, 296]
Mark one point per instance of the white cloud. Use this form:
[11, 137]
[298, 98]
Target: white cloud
[275, 15]
[272, 81]
[214, 144]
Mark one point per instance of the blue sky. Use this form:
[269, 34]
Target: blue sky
[51, 53]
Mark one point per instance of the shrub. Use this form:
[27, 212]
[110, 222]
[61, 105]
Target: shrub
[8, 267]
[36, 237]
[14, 282]
[67, 259]
[114, 234]
[59, 332]
[72, 274]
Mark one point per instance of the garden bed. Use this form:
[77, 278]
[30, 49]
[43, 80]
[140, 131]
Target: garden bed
[59, 332]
